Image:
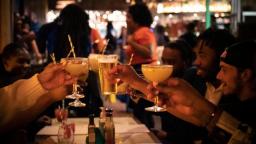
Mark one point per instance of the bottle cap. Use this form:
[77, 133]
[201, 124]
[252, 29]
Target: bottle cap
[108, 109]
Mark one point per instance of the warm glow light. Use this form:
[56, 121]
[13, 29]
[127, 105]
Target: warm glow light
[51, 16]
[62, 3]
[192, 7]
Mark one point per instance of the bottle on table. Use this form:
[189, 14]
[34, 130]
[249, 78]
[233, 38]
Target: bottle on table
[102, 119]
[109, 128]
[91, 130]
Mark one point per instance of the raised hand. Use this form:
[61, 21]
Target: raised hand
[125, 73]
[128, 75]
[183, 101]
[54, 76]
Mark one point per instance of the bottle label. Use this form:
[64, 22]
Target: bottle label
[101, 127]
[91, 135]
[110, 136]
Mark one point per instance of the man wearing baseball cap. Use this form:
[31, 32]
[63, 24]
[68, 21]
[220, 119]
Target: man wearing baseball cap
[238, 75]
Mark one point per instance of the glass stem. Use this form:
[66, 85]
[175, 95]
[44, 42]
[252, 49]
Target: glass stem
[156, 101]
[75, 88]
[63, 103]
[156, 98]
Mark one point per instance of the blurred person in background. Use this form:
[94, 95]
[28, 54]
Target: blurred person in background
[15, 64]
[189, 36]
[72, 21]
[161, 36]
[141, 40]
[97, 40]
[142, 44]
[178, 54]
[23, 34]
[111, 39]
[121, 42]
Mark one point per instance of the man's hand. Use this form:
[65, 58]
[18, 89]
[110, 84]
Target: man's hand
[54, 76]
[185, 102]
[178, 94]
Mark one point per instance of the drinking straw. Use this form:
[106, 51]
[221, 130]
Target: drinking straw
[53, 58]
[71, 47]
[131, 58]
[54, 61]
[103, 51]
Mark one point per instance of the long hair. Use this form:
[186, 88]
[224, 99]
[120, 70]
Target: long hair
[72, 21]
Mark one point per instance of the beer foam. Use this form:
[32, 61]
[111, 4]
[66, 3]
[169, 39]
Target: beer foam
[107, 60]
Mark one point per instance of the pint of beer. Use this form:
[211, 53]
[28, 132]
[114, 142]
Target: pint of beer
[107, 62]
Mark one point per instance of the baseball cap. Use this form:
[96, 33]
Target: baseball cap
[241, 55]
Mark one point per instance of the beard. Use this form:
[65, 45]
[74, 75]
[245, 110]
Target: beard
[234, 88]
[210, 73]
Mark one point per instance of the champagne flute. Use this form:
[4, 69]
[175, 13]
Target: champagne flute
[76, 67]
[155, 74]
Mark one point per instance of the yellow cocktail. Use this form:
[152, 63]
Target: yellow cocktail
[156, 74]
[76, 67]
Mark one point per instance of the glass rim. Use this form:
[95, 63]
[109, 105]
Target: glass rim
[94, 54]
[74, 58]
[156, 65]
[108, 57]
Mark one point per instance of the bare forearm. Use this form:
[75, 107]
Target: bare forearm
[141, 49]
[140, 85]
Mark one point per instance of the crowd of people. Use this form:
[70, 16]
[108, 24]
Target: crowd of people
[210, 96]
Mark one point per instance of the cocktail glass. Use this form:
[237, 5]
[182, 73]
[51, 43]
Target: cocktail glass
[156, 74]
[76, 67]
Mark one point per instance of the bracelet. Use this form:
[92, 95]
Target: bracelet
[213, 118]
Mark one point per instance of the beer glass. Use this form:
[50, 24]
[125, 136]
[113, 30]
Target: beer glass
[76, 67]
[106, 63]
[93, 62]
[155, 74]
